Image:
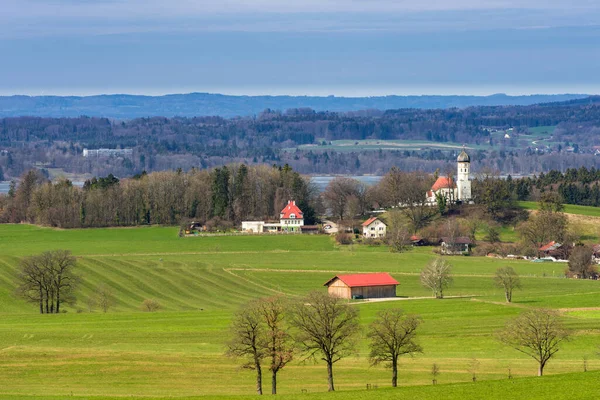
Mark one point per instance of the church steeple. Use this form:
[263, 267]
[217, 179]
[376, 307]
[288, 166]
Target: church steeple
[463, 182]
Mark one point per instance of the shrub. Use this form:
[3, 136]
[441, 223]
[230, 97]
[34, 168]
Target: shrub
[343, 238]
[150, 305]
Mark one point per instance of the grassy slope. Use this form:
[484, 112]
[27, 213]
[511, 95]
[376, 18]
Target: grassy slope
[569, 208]
[200, 281]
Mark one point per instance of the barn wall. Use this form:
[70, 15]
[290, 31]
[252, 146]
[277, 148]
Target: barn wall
[338, 288]
[374, 292]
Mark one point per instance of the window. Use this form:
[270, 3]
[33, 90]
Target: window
[292, 215]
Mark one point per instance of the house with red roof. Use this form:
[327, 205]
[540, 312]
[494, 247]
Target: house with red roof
[291, 219]
[374, 228]
[362, 286]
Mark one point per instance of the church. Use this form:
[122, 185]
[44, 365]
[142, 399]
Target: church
[453, 190]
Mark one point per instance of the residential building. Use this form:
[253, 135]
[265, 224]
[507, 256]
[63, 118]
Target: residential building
[374, 228]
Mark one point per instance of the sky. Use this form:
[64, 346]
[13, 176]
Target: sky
[299, 47]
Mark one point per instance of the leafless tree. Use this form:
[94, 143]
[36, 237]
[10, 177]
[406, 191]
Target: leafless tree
[473, 368]
[437, 276]
[327, 328]
[580, 262]
[104, 297]
[537, 333]
[544, 227]
[338, 194]
[150, 305]
[398, 235]
[278, 343]
[248, 340]
[435, 372]
[48, 279]
[392, 334]
[507, 279]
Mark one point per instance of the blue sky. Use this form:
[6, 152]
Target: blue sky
[343, 47]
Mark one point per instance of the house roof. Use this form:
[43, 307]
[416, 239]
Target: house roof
[550, 246]
[369, 221]
[291, 208]
[443, 182]
[416, 238]
[361, 280]
[457, 240]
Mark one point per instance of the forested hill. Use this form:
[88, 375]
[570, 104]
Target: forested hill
[121, 106]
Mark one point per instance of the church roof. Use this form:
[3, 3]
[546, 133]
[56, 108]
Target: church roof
[443, 182]
[463, 157]
[290, 209]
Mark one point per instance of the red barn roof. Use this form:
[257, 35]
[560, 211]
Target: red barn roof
[290, 209]
[443, 182]
[361, 280]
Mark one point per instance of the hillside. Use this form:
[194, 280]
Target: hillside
[123, 106]
[200, 281]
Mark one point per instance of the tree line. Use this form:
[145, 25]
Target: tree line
[229, 193]
[274, 137]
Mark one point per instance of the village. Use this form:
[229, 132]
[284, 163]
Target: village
[448, 240]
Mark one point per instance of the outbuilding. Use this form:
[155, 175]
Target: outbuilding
[362, 286]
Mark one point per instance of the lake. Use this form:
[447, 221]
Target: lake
[4, 186]
[322, 181]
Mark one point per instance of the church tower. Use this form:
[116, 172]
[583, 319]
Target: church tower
[463, 183]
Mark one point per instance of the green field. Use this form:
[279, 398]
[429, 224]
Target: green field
[374, 144]
[569, 208]
[178, 351]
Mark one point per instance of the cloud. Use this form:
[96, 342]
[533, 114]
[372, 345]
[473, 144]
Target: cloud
[25, 18]
[187, 8]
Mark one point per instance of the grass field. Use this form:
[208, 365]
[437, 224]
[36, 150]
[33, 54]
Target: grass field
[569, 208]
[374, 144]
[178, 351]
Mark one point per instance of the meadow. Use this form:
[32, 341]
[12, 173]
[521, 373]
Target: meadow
[178, 351]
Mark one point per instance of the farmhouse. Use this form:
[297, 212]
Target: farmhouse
[362, 286]
[374, 228]
[291, 219]
[456, 246]
[554, 249]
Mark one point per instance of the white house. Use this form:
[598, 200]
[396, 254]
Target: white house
[291, 219]
[374, 228]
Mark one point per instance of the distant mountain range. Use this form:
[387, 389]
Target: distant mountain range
[122, 106]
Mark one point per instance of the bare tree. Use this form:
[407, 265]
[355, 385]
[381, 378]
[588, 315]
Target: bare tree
[248, 340]
[48, 279]
[104, 297]
[473, 368]
[337, 196]
[435, 372]
[580, 262]
[398, 234]
[543, 227]
[437, 276]
[327, 328]
[507, 279]
[392, 334]
[278, 344]
[150, 305]
[537, 333]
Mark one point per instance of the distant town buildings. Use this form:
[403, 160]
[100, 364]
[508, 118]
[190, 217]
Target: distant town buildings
[107, 152]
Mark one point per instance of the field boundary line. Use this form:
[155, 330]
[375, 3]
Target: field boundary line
[254, 283]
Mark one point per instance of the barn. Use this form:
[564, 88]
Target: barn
[362, 286]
